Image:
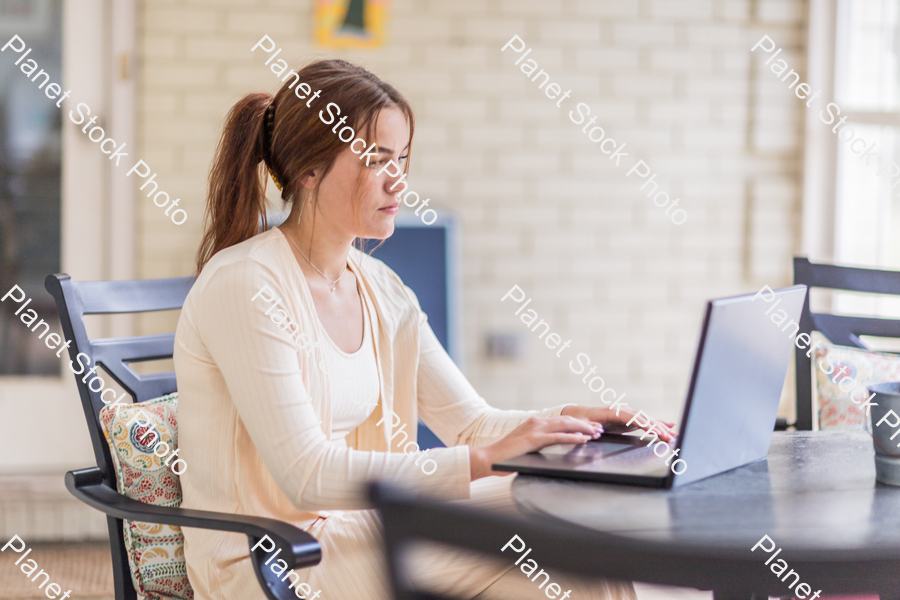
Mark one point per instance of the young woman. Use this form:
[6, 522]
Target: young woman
[299, 357]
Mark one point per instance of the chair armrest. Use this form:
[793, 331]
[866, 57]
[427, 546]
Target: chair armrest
[298, 548]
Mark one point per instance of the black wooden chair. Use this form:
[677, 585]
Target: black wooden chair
[734, 573]
[96, 486]
[559, 547]
[838, 329]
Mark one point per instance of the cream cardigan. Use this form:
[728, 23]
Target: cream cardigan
[255, 410]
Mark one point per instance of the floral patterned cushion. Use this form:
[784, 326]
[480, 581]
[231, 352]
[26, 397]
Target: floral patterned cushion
[836, 410]
[155, 552]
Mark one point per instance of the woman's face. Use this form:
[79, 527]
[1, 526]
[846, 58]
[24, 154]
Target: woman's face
[350, 179]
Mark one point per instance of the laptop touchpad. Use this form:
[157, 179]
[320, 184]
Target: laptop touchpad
[606, 456]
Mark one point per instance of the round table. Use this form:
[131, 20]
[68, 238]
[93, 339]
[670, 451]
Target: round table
[815, 496]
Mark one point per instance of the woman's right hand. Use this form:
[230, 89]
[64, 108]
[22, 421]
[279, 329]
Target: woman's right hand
[533, 434]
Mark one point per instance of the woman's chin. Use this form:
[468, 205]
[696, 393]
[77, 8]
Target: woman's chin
[381, 229]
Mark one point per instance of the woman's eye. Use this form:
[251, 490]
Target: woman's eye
[372, 164]
[377, 164]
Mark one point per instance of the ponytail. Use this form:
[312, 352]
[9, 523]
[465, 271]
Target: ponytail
[236, 198]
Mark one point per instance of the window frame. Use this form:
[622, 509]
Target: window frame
[97, 233]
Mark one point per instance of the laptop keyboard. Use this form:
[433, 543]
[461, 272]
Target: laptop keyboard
[611, 456]
[630, 457]
[609, 453]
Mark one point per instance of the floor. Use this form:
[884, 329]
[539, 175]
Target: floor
[83, 568]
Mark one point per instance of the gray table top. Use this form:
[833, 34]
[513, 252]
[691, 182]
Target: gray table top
[816, 491]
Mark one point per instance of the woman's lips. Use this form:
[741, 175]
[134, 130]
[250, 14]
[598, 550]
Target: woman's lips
[392, 209]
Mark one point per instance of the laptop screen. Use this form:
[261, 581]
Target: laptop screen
[739, 371]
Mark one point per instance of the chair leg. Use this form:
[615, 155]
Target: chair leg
[124, 588]
[4, 342]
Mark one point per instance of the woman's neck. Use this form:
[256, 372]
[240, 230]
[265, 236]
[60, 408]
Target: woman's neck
[323, 247]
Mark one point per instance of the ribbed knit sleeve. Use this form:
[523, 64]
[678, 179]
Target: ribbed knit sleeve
[451, 407]
[259, 364]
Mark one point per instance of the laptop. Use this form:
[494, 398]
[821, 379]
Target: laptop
[729, 414]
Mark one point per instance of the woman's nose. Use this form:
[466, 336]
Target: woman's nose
[392, 183]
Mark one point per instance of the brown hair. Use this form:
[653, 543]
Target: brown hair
[300, 143]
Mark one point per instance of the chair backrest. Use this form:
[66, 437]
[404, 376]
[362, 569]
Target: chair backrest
[409, 520]
[74, 300]
[838, 329]
[558, 547]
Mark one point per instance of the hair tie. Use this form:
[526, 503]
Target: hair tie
[268, 134]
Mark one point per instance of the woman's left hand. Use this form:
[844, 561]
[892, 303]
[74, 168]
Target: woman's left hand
[616, 423]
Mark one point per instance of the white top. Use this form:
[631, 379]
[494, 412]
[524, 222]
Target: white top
[354, 382]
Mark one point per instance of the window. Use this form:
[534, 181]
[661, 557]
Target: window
[30, 176]
[867, 87]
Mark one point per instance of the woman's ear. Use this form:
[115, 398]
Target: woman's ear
[310, 179]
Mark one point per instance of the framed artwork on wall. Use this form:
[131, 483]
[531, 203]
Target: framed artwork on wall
[350, 23]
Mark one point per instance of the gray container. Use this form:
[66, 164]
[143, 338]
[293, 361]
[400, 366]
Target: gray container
[887, 453]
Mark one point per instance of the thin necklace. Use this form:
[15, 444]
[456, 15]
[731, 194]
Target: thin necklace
[334, 283]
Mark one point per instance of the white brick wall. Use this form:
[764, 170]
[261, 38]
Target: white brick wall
[540, 206]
